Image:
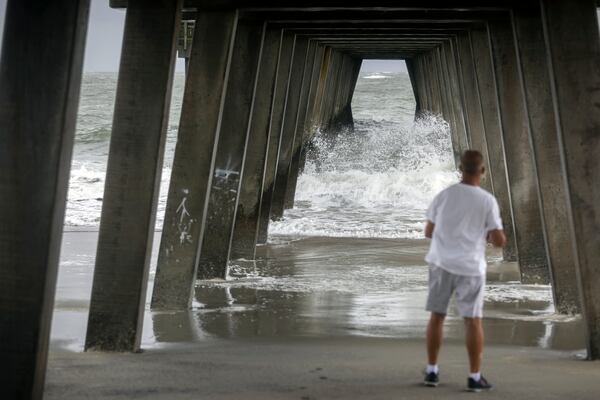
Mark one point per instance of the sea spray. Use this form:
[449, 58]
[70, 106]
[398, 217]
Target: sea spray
[375, 181]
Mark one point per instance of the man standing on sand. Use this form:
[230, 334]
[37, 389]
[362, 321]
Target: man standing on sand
[459, 220]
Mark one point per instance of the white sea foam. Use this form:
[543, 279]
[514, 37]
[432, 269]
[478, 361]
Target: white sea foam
[374, 182]
[376, 76]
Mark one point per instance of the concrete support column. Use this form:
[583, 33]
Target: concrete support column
[230, 151]
[412, 73]
[535, 81]
[473, 104]
[40, 77]
[456, 96]
[281, 94]
[319, 61]
[133, 176]
[424, 83]
[193, 162]
[289, 127]
[434, 73]
[522, 179]
[493, 135]
[309, 117]
[251, 189]
[298, 142]
[446, 98]
[333, 74]
[300, 136]
[573, 48]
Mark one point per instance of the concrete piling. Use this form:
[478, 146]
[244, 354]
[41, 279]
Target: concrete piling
[39, 80]
[230, 151]
[518, 155]
[535, 84]
[288, 132]
[298, 142]
[493, 131]
[277, 114]
[251, 188]
[473, 105]
[193, 162]
[133, 177]
[573, 49]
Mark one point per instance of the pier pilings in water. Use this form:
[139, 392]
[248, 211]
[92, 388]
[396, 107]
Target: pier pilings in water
[40, 78]
[517, 81]
[133, 176]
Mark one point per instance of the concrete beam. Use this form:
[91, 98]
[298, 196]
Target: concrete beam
[252, 186]
[40, 77]
[573, 49]
[193, 164]
[520, 170]
[133, 176]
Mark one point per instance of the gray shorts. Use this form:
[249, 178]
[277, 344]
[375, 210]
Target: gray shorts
[468, 289]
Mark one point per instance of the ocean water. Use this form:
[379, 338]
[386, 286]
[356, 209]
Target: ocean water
[374, 182]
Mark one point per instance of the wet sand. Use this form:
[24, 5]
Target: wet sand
[317, 318]
[314, 368]
[320, 287]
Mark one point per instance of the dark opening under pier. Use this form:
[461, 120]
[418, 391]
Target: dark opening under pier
[517, 80]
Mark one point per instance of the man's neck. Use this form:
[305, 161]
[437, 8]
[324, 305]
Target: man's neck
[471, 180]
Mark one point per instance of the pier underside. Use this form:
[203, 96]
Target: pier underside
[516, 80]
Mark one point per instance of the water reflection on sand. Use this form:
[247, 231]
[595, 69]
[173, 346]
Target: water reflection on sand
[322, 287]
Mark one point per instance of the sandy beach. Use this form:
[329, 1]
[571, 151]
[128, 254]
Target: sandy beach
[314, 368]
[317, 318]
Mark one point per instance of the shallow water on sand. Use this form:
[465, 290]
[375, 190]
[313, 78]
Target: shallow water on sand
[320, 287]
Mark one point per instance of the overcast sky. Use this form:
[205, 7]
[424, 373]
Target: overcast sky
[105, 33]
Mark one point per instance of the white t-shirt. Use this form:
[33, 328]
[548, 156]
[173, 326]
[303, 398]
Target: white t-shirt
[463, 215]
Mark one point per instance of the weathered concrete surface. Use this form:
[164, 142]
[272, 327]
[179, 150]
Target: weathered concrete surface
[251, 188]
[573, 45]
[520, 168]
[288, 132]
[416, 86]
[493, 134]
[40, 77]
[193, 162]
[315, 368]
[546, 155]
[473, 105]
[281, 94]
[298, 142]
[230, 150]
[446, 100]
[456, 96]
[133, 176]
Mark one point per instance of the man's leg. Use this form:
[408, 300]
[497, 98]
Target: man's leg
[435, 333]
[474, 341]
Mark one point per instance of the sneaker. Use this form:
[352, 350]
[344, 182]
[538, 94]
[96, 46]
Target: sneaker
[478, 386]
[431, 379]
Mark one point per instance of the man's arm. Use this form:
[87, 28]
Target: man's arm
[429, 229]
[497, 237]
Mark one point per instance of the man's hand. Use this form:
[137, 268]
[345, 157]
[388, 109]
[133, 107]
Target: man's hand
[429, 229]
[497, 238]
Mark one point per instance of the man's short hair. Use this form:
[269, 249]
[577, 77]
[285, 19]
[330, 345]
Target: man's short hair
[471, 162]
